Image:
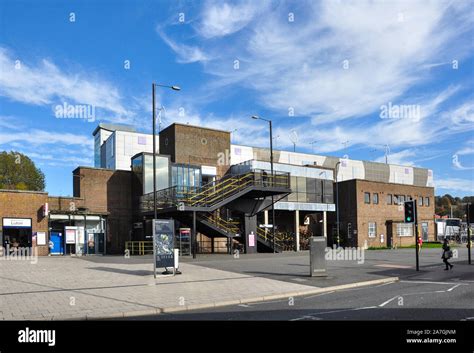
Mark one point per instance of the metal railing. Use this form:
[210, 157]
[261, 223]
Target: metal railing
[230, 227]
[215, 192]
[139, 247]
[267, 236]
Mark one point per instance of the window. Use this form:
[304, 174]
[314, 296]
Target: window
[427, 201]
[372, 229]
[409, 198]
[367, 197]
[420, 201]
[112, 146]
[375, 198]
[395, 199]
[404, 230]
[401, 199]
[389, 199]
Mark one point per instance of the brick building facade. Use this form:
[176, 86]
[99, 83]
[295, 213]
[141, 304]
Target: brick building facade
[23, 205]
[371, 213]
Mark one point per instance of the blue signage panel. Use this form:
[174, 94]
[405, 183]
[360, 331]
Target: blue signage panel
[163, 242]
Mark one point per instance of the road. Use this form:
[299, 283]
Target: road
[430, 294]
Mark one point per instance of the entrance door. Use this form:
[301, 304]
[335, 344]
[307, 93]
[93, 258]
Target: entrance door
[95, 243]
[389, 225]
[424, 231]
[58, 243]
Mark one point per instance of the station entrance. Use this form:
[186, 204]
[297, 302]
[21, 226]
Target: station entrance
[17, 232]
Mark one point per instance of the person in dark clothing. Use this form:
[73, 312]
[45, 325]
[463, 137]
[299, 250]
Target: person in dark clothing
[447, 254]
[264, 178]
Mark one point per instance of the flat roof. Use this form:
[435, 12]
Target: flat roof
[327, 156]
[195, 126]
[114, 127]
[24, 191]
[357, 180]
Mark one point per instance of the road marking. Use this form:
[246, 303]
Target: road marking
[340, 311]
[388, 301]
[430, 282]
[393, 266]
[307, 317]
[454, 287]
[244, 305]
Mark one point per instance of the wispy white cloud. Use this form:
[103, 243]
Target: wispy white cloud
[337, 60]
[40, 137]
[186, 53]
[220, 19]
[46, 84]
[462, 185]
[468, 149]
[404, 157]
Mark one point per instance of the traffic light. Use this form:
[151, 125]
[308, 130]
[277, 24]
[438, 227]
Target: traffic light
[470, 212]
[410, 211]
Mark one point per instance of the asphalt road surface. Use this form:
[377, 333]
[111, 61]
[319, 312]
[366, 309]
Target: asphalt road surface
[430, 294]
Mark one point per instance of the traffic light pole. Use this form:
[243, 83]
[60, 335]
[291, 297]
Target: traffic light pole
[468, 233]
[417, 246]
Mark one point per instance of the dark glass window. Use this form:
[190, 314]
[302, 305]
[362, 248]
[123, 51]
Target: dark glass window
[367, 197]
[375, 198]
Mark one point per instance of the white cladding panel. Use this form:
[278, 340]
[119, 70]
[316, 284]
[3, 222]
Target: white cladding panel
[401, 175]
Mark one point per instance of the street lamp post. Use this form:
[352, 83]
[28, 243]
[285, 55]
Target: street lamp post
[271, 172]
[337, 202]
[153, 86]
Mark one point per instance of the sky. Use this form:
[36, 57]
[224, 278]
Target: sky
[346, 78]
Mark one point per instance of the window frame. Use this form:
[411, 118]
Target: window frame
[366, 200]
[369, 226]
[401, 226]
[375, 198]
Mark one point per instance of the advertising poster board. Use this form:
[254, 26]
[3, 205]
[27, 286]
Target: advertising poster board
[163, 243]
[70, 236]
[40, 238]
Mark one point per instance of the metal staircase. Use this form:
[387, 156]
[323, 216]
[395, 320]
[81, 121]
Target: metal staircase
[205, 200]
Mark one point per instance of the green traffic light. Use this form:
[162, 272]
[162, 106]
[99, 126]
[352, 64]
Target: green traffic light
[408, 219]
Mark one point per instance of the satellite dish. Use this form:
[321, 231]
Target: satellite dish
[293, 136]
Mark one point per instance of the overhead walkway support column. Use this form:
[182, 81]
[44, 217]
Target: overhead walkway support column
[250, 234]
[194, 237]
[297, 230]
[325, 228]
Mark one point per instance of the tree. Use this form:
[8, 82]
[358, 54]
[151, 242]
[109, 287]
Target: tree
[18, 172]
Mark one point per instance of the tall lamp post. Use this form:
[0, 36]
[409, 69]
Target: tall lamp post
[153, 87]
[271, 171]
[337, 201]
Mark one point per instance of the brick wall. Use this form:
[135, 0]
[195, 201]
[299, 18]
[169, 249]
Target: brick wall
[109, 192]
[382, 212]
[195, 145]
[25, 204]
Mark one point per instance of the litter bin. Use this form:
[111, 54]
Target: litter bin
[317, 252]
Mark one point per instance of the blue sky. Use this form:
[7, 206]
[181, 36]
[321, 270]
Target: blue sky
[324, 69]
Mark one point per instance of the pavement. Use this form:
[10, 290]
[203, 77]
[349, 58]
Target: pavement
[106, 287]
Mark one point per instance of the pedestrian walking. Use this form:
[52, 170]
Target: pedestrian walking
[447, 254]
